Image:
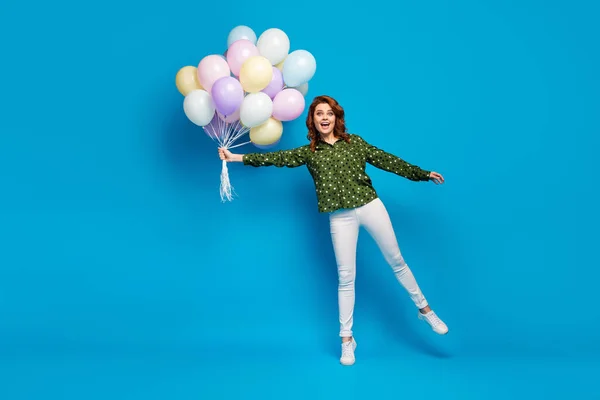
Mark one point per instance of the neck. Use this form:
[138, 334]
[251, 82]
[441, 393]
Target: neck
[329, 138]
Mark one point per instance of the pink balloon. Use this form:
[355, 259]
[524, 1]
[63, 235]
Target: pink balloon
[211, 69]
[230, 118]
[288, 105]
[238, 52]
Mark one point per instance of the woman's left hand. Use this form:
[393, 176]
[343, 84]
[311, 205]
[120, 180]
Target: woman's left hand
[436, 178]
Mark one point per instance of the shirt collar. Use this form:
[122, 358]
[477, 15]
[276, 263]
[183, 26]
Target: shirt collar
[321, 142]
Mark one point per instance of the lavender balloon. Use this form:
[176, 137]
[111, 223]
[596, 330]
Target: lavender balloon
[276, 84]
[227, 94]
[215, 128]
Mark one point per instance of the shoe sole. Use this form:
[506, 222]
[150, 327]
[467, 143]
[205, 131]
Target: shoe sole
[439, 333]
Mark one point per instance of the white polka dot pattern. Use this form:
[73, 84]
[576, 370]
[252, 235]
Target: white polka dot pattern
[338, 170]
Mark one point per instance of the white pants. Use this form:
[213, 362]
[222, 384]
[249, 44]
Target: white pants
[345, 225]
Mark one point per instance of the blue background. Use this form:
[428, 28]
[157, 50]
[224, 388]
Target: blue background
[123, 275]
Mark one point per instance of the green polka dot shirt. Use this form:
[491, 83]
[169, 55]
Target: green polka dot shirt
[338, 170]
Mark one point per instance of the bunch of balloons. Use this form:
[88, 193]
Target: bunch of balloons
[252, 88]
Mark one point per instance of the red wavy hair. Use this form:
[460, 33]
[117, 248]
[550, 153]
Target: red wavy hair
[339, 130]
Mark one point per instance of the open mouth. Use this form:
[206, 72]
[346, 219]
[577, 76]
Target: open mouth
[324, 125]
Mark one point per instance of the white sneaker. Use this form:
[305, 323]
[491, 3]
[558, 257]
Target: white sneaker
[435, 322]
[348, 352]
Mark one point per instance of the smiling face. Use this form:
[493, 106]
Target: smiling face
[324, 119]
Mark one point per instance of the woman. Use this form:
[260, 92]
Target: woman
[337, 160]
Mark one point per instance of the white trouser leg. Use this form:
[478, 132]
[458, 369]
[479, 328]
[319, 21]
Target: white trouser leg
[344, 228]
[375, 218]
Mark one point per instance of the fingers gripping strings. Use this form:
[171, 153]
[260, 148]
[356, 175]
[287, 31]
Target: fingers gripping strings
[226, 134]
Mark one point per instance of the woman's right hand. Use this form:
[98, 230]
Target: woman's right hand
[228, 156]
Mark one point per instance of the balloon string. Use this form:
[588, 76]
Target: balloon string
[226, 188]
[238, 145]
[232, 138]
[213, 134]
[226, 134]
[237, 136]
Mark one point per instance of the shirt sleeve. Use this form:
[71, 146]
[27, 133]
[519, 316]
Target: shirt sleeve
[391, 163]
[284, 158]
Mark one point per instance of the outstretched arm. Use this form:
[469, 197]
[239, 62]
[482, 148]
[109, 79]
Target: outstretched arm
[283, 158]
[391, 163]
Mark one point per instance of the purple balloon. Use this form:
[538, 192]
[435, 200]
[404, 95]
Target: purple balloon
[215, 127]
[276, 84]
[227, 94]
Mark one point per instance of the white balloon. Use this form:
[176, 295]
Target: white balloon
[241, 32]
[255, 109]
[274, 45]
[302, 88]
[199, 107]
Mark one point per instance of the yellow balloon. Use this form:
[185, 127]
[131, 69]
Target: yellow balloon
[280, 65]
[266, 133]
[256, 74]
[186, 80]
